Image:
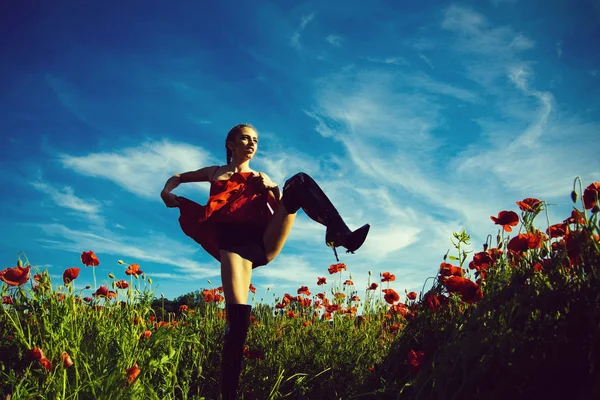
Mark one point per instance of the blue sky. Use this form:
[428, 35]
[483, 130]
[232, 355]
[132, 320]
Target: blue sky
[420, 119]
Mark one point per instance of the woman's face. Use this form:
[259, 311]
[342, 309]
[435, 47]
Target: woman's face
[244, 145]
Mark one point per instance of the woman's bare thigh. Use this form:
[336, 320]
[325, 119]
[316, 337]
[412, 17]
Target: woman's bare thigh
[235, 276]
[277, 231]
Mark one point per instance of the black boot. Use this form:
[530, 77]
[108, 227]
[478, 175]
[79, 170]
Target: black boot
[238, 320]
[301, 191]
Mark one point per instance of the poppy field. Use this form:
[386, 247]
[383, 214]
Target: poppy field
[519, 317]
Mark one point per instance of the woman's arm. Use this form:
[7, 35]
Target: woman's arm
[201, 175]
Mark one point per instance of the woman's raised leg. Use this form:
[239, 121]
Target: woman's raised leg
[278, 231]
[301, 191]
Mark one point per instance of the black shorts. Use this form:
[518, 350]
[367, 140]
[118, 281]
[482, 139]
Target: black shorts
[245, 240]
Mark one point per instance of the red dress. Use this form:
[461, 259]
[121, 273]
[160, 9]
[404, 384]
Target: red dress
[234, 218]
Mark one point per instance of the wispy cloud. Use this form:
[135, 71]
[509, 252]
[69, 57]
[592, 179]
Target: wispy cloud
[559, 50]
[155, 248]
[67, 199]
[426, 60]
[295, 40]
[389, 60]
[334, 40]
[140, 170]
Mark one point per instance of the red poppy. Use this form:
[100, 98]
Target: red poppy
[252, 288]
[590, 195]
[557, 230]
[291, 314]
[350, 310]
[122, 284]
[183, 308]
[469, 290]
[218, 298]
[36, 354]
[391, 296]
[387, 277]
[415, 359]
[280, 305]
[399, 309]
[334, 268]
[304, 301]
[530, 205]
[355, 298]
[89, 259]
[339, 296]
[66, 359]
[146, 334]
[132, 373]
[287, 298]
[481, 261]
[134, 269]
[47, 364]
[15, 276]
[321, 295]
[321, 281]
[7, 300]
[306, 323]
[450, 270]
[102, 291]
[575, 218]
[373, 286]
[317, 304]
[333, 307]
[70, 274]
[412, 296]
[506, 219]
[525, 241]
[304, 290]
[348, 282]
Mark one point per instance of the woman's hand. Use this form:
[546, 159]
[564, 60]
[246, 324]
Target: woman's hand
[267, 185]
[264, 181]
[169, 198]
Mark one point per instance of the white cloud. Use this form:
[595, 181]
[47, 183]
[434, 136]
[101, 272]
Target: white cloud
[388, 60]
[427, 60]
[334, 40]
[67, 199]
[150, 248]
[559, 49]
[295, 39]
[141, 170]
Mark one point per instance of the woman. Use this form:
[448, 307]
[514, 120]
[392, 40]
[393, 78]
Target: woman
[238, 228]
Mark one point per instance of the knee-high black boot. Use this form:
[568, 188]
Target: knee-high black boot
[238, 320]
[301, 191]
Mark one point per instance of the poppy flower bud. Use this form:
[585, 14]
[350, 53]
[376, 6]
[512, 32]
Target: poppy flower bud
[485, 247]
[574, 196]
[19, 263]
[595, 209]
[209, 282]
[88, 287]
[111, 275]
[370, 273]
[120, 261]
[150, 281]
[66, 358]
